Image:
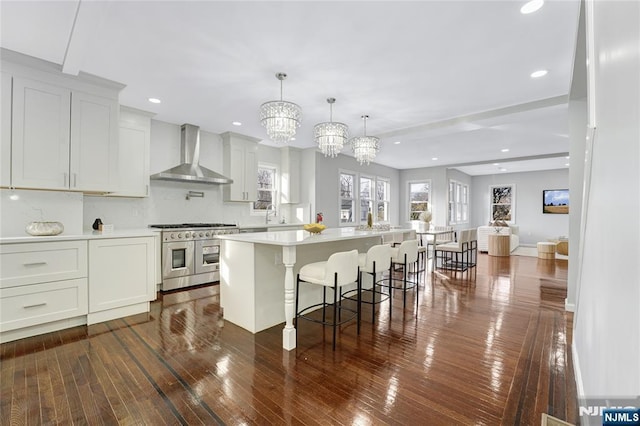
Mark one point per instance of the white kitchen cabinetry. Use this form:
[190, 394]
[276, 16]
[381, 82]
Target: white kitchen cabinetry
[5, 130]
[63, 139]
[241, 165]
[135, 141]
[121, 277]
[43, 287]
[63, 129]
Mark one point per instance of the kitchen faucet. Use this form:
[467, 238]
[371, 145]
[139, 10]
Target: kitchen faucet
[270, 208]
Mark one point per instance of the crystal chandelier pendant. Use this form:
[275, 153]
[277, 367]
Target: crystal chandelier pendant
[280, 118]
[365, 147]
[330, 136]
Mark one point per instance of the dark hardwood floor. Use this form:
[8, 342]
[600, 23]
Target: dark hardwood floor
[485, 351]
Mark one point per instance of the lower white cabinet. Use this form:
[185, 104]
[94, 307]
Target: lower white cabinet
[121, 277]
[31, 305]
[52, 285]
[43, 287]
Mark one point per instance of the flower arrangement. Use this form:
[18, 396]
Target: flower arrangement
[425, 216]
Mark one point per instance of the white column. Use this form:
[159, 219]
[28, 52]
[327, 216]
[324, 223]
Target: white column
[289, 332]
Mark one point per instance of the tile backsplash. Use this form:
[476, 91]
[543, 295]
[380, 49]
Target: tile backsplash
[20, 207]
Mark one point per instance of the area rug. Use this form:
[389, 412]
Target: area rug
[532, 252]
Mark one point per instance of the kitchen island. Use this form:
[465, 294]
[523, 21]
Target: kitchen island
[256, 268]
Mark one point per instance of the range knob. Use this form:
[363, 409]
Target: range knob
[187, 235]
[207, 234]
[201, 234]
[180, 235]
[173, 236]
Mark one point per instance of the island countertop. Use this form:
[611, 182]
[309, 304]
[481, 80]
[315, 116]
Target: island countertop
[295, 238]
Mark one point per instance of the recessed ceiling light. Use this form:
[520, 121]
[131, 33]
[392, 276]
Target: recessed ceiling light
[434, 158]
[293, 139]
[531, 6]
[502, 169]
[236, 123]
[539, 73]
[566, 164]
[154, 100]
[567, 157]
[496, 164]
[396, 143]
[505, 150]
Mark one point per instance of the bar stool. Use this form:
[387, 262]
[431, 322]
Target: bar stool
[339, 270]
[404, 255]
[374, 262]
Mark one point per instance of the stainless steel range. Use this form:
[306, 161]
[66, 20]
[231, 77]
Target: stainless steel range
[191, 253]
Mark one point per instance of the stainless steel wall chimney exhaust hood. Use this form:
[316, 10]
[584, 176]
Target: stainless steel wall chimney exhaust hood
[189, 169]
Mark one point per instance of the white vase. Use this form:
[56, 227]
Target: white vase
[44, 228]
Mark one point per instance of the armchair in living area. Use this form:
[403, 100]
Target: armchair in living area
[483, 236]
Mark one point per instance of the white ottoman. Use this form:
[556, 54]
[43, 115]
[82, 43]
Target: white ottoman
[546, 250]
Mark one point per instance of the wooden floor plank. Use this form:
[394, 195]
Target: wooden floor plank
[487, 351]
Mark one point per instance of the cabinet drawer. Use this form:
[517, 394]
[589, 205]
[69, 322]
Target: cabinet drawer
[32, 263]
[41, 303]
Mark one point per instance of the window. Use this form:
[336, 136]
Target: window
[347, 198]
[267, 188]
[383, 188]
[502, 199]
[371, 195]
[366, 197]
[458, 202]
[419, 196]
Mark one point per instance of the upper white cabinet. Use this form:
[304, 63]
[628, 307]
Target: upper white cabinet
[135, 141]
[241, 165]
[94, 143]
[63, 139]
[64, 129]
[5, 130]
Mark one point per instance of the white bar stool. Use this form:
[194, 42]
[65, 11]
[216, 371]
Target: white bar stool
[404, 255]
[374, 262]
[339, 270]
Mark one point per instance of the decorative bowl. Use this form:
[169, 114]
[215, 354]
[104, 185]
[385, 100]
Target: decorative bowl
[314, 228]
[44, 228]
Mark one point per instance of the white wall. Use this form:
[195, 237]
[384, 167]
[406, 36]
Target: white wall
[607, 318]
[534, 225]
[327, 186]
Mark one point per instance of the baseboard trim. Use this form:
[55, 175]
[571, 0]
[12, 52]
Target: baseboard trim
[569, 307]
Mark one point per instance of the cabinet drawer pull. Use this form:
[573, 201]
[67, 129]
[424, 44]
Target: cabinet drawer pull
[34, 264]
[34, 305]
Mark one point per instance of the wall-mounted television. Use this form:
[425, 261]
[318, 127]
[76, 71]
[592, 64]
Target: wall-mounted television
[555, 201]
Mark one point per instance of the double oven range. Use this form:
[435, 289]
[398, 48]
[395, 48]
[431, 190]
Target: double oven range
[191, 253]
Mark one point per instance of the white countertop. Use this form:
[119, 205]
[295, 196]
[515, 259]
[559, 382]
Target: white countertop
[87, 235]
[294, 238]
[270, 225]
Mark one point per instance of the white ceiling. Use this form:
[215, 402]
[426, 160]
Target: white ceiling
[446, 79]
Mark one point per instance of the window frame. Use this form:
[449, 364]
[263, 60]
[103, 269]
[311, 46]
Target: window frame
[275, 190]
[429, 196]
[341, 198]
[511, 188]
[358, 218]
[457, 202]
